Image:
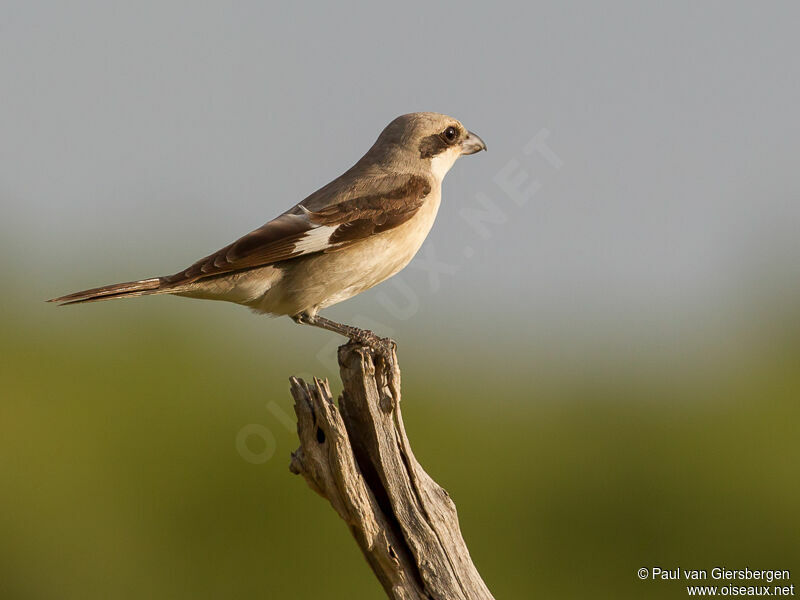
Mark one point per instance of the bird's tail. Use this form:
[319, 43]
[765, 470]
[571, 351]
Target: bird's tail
[143, 287]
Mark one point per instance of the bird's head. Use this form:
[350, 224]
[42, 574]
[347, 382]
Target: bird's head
[432, 141]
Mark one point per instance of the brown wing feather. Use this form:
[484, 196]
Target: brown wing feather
[358, 211]
[270, 243]
[363, 216]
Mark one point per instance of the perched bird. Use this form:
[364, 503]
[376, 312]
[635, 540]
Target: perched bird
[346, 237]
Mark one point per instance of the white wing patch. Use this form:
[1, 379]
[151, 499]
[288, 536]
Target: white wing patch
[315, 240]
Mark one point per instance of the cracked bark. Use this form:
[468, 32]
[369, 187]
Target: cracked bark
[358, 457]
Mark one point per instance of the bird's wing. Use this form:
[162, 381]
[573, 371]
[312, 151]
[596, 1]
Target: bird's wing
[339, 216]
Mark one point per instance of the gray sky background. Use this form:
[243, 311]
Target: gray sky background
[137, 137]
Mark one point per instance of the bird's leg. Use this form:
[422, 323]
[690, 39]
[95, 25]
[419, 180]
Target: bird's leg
[384, 346]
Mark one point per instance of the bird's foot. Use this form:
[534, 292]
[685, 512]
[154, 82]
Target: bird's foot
[385, 347]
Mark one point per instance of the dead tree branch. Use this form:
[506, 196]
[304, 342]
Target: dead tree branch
[359, 458]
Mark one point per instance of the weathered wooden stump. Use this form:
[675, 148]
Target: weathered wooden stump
[359, 458]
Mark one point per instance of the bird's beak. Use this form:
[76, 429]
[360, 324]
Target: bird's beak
[472, 144]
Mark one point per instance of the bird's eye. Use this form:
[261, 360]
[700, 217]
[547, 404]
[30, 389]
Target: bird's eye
[450, 134]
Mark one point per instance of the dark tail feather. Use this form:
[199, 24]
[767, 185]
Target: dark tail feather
[117, 290]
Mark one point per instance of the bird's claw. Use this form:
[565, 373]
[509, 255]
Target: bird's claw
[383, 346]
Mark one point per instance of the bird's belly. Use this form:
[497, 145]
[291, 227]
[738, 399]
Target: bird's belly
[244, 287]
[315, 282]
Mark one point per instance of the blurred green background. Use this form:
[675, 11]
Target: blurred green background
[121, 476]
[600, 344]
